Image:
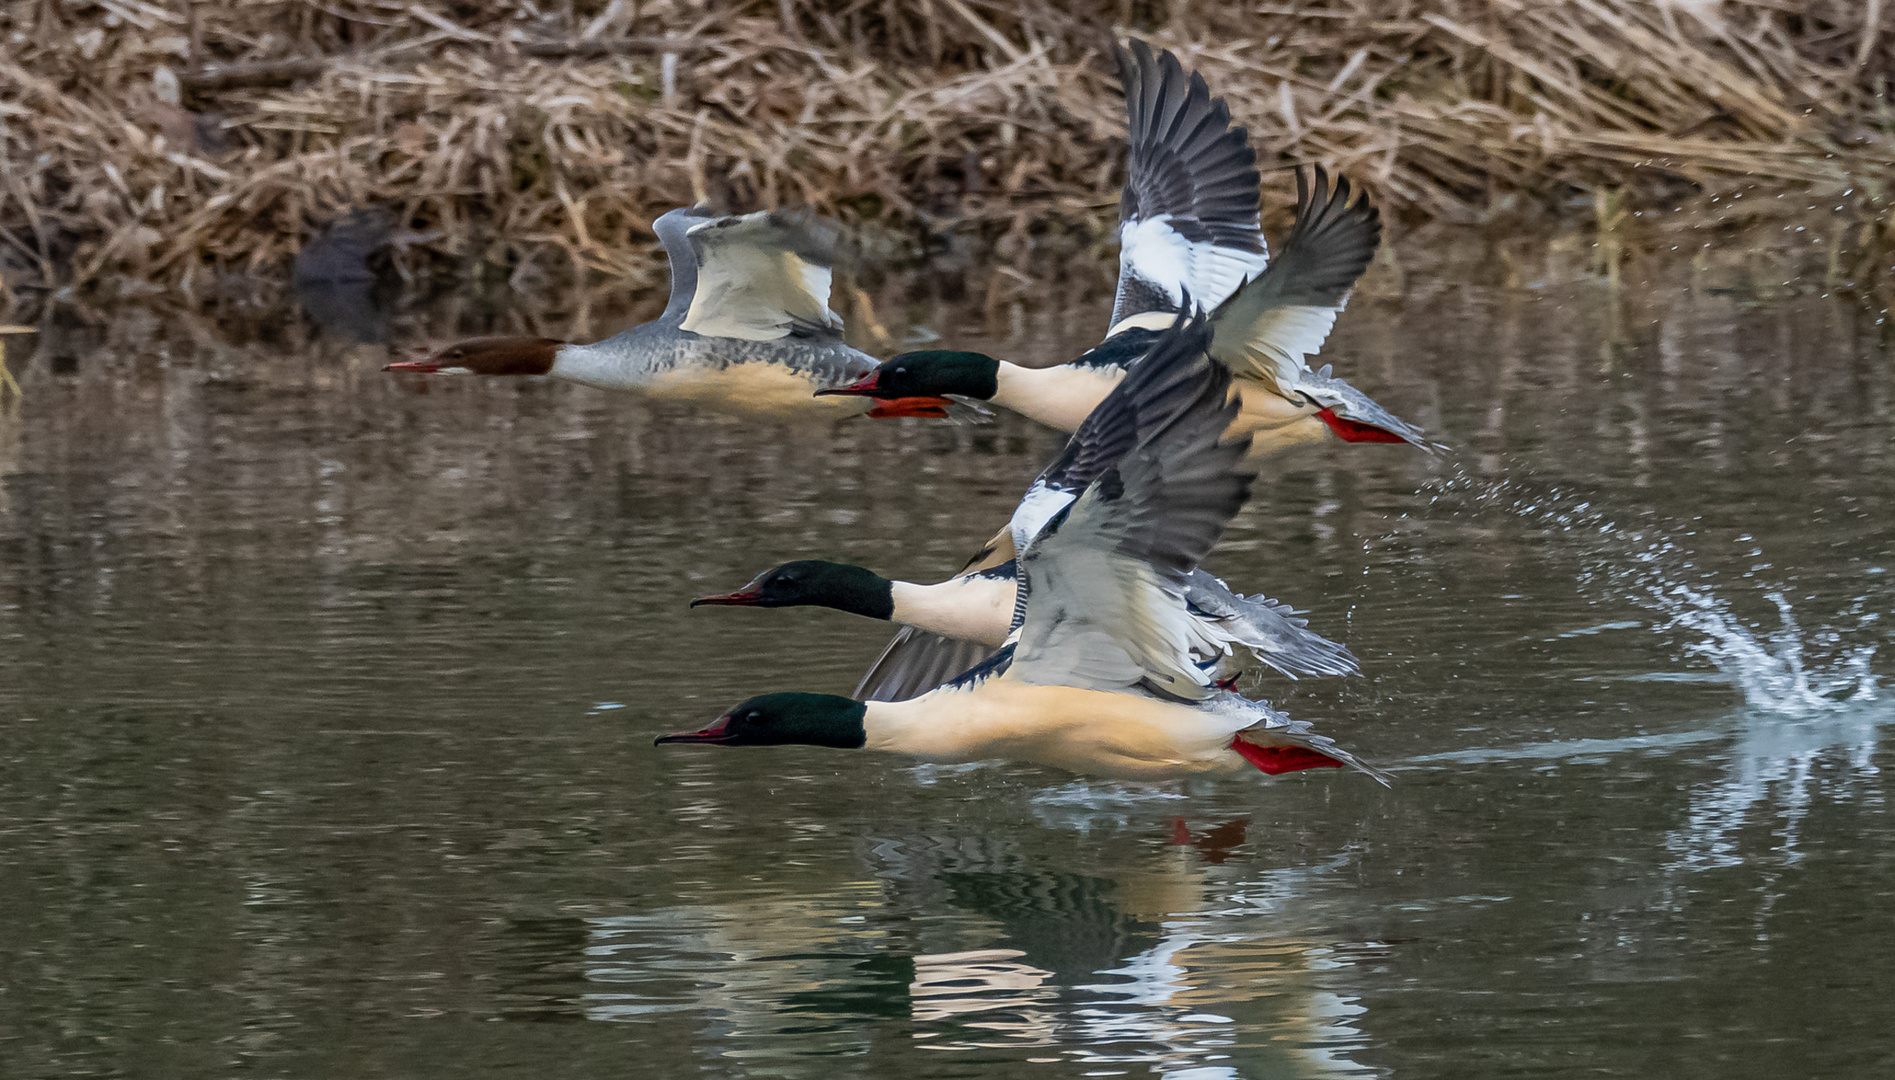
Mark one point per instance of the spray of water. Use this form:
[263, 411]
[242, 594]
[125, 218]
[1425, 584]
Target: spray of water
[1808, 695]
[1650, 567]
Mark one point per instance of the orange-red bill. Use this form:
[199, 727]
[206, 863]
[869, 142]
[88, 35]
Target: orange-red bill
[931, 408]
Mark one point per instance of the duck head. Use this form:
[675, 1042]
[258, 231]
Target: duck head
[784, 720]
[813, 583]
[928, 373]
[488, 356]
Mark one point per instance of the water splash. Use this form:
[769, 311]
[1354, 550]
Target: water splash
[1809, 697]
[1649, 566]
[1770, 670]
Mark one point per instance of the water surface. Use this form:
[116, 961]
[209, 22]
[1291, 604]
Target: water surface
[326, 706]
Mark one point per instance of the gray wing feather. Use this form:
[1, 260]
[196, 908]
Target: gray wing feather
[916, 662]
[670, 228]
[1268, 327]
[1269, 629]
[1102, 587]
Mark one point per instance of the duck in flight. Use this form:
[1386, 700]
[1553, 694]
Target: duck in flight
[748, 326]
[1095, 676]
[1188, 225]
[972, 613]
[952, 625]
[921, 656]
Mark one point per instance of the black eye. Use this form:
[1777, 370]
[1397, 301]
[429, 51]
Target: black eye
[900, 371]
[754, 715]
[455, 354]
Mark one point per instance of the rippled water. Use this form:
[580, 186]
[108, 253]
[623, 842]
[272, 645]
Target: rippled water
[326, 703]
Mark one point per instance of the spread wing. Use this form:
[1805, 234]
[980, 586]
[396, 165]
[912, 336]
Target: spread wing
[1102, 592]
[1188, 215]
[916, 662]
[671, 228]
[762, 277]
[1269, 328]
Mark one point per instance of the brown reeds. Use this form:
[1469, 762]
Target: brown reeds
[176, 142]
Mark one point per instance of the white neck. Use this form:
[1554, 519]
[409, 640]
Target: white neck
[1058, 397]
[965, 608]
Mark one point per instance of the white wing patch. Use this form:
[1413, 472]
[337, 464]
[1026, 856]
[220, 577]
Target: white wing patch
[752, 285]
[1278, 345]
[1100, 620]
[1036, 508]
[1155, 253]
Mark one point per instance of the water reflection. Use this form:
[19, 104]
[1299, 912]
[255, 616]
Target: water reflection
[326, 699]
[968, 947]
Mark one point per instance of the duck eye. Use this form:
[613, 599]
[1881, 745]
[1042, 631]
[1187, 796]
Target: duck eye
[900, 371]
[455, 354]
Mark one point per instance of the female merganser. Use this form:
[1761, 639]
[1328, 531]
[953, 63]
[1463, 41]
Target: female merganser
[748, 325]
[1093, 678]
[1188, 224]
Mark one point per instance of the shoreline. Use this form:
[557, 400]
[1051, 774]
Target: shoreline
[535, 148]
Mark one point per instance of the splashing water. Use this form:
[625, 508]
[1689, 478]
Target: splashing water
[1647, 567]
[1797, 712]
[1771, 671]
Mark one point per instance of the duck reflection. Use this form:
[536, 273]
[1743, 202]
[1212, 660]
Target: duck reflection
[972, 945]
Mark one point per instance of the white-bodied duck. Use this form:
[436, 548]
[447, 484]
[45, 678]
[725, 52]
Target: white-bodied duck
[1095, 677]
[747, 327]
[1188, 225]
[916, 660]
[951, 625]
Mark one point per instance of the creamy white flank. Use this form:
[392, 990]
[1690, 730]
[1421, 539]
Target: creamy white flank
[967, 609]
[1083, 731]
[1059, 397]
[759, 386]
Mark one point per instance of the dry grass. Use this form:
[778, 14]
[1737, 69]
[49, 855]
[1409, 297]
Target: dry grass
[177, 142]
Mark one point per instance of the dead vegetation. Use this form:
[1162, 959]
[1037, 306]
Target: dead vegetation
[176, 143]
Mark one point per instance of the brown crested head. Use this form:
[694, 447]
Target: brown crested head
[489, 356]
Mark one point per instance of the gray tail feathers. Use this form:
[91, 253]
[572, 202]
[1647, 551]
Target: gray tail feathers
[1270, 629]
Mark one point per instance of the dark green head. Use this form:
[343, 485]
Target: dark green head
[928, 373]
[812, 582]
[783, 720]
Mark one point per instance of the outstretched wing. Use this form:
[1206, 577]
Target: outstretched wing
[762, 277]
[671, 228]
[1188, 215]
[916, 662]
[1269, 328]
[1102, 591]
